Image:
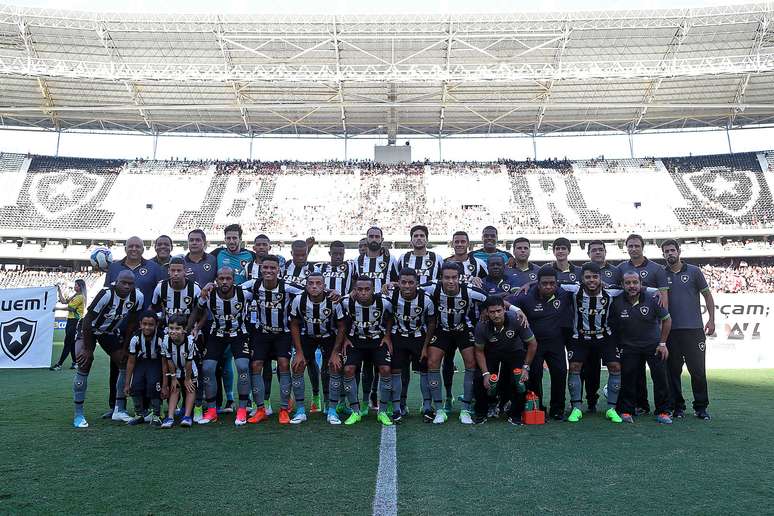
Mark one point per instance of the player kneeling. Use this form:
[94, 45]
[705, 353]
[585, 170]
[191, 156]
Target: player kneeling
[143, 370]
[180, 373]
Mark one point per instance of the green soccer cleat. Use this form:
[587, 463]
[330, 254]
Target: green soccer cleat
[384, 419]
[575, 416]
[353, 418]
[613, 416]
[343, 409]
[364, 410]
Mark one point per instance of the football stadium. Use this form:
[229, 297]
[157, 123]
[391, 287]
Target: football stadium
[398, 260]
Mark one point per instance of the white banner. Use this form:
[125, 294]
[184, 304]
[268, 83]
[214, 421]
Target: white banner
[26, 326]
[744, 331]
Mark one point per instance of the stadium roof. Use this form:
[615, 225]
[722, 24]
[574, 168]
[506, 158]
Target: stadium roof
[529, 73]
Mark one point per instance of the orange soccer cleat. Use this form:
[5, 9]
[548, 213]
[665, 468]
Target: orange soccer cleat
[284, 416]
[260, 415]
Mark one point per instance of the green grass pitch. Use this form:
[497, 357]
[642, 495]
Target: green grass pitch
[692, 467]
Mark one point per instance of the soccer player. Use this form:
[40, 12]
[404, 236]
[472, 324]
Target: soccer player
[426, 263]
[369, 318]
[176, 295]
[610, 275]
[143, 369]
[454, 301]
[565, 271]
[651, 275]
[641, 326]
[523, 271]
[163, 247]
[473, 269]
[338, 274]
[271, 337]
[180, 373]
[548, 311]
[500, 341]
[112, 305]
[686, 338]
[591, 331]
[200, 266]
[233, 255]
[362, 246]
[147, 274]
[296, 270]
[315, 322]
[227, 304]
[498, 282]
[489, 239]
[413, 328]
[261, 248]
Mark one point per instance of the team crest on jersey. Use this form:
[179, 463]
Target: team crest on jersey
[510, 333]
[16, 336]
[128, 305]
[603, 301]
[207, 267]
[143, 271]
[532, 276]
[572, 277]
[382, 264]
[343, 267]
[187, 300]
[428, 263]
[702, 346]
[644, 310]
[684, 278]
[506, 287]
[417, 310]
[243, 263]
[644, 273]
[569, 355]
[462, 303]
[471, 267]
[377, 314]
[278, 297]
[557, 303]
[238, 306]
[608, 273]
[326, 312]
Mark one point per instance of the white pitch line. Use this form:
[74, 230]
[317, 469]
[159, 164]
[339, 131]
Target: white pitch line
[386, 495]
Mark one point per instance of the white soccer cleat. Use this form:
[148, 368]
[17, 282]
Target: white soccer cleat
[269, 411]
[440, 417]
[334, 419]
[80, 422]
[465, 418]
[298, 418]
[121, 415]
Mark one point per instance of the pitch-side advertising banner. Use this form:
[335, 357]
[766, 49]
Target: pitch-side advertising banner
[26, 326]
[744, 331]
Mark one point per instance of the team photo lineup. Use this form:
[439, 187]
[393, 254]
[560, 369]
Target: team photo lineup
[181, 330]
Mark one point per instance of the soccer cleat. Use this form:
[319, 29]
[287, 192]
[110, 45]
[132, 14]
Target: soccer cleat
[210, 416]
[664, 419]
[136, 420]
[428, 416]
[197, 414]
[383, 418]
[168, 422]
[284, 417]
[315, 404]
[228, 408]
[73, 365]
[186, 421]
[353, 418]
[120, 415]
[260, 415]
[333, 417]
[639, 411]
[155, 421]
[404, 410]
[397, 417]
[515, 421]
[107, 415]
[299, 417]
[80, 422]
[364, 410]
[440, 417]
[179, 412]
[343, 409]
[557, 416]
[479, 420]
[627, 418]
[678, 414]
[465, 417]
[447, 406]
[613, 416]
[148, 416]
[269, 411]
[702, 414]
[241, 416]
[575, 416]
[55, 367]
[492, 411]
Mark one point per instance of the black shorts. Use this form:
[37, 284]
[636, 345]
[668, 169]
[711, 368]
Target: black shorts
[146, 378]
[367, 350]
[216, 346]
[270, 346]
[311, 344]
[406, 351]
[451, 340]
[577, 349]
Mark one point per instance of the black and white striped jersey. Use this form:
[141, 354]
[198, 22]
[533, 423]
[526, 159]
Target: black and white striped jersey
[338, 277]
[108, 309]
[380, 269]
[144, 348]
[367, 322]
[272, 306]
[471, 268]
[428, 267]
[228, 315]
[591, 313]
[171, 302]
[296, 274]
[180, 354]
[410, 317]
[455, 312]
[253, 269]
[317, 319]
